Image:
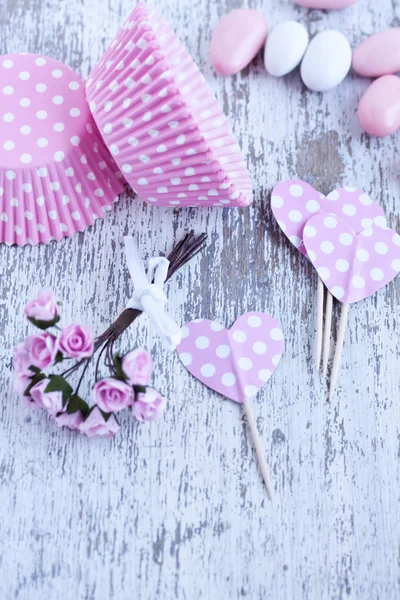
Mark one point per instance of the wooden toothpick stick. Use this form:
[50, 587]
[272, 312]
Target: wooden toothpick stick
[264, 468]
[327, 332]
[339, 349]
[320, 321]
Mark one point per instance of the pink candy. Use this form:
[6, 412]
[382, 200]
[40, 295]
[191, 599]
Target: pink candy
[236, 40]
[379, 54]
[379, 109]
[325, 4]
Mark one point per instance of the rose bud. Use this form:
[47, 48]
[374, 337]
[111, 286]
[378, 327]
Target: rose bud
[51, 401]
[149, 405]
[43, 308]
[36, 350]
[72, 421]
[138, 365]
[112, 395]
[22, 382]
[95, 424]
[22, 360]
[76, 341]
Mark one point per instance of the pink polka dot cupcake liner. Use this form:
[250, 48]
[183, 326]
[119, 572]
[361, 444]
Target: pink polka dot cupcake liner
[56, 175]
[161, 122]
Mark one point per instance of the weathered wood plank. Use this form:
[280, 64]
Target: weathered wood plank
[176, 509]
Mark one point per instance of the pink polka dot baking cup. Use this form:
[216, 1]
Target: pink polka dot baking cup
[56, 175]
[294, 202]
[234, 362]
[352, 266]
[161, 121]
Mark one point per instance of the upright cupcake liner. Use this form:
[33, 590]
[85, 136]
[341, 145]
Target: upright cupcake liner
[55, 201]
[161, 121]
[65, 178]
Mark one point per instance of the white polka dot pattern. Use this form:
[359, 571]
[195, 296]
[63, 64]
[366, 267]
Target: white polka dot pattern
[161, 121]
[294, 202]
[50, 151]
[236, 362]
[358, 265]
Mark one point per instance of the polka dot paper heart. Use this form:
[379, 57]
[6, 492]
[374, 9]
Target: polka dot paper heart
[237, 362]
[352, 266]
[294, 202]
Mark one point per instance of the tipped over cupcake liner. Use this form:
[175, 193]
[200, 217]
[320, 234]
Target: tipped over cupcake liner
[159, 118]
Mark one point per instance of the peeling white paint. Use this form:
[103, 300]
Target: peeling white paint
[177, 509]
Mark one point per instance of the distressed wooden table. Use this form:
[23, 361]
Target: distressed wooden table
[177, 509]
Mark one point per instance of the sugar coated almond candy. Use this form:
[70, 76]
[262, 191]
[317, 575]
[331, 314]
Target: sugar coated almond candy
[379, 54]
[236, 40]
[325, 4]
[326, 61]
[285, 47]
[379, 108]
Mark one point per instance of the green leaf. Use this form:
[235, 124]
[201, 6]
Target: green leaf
[38, 376]
[59, 357]
[44, 324]
[59, 384]
[139, 389]
[119, 373]
[108, 415]
[77, 403]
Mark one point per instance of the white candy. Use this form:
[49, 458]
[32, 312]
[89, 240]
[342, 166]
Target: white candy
[285, 48]
[326, 61]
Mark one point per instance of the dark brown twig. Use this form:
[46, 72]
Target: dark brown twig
[186, 249]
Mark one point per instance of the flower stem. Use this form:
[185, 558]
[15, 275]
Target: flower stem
[96, 376]
[83, 373]
[186, 249]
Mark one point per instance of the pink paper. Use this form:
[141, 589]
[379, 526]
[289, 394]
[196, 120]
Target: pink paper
[294, 202]
[234, 362]
[352, 266]
[56, 175]
[161, 121]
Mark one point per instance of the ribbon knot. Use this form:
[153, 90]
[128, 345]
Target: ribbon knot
[153, 291]
[149, 296]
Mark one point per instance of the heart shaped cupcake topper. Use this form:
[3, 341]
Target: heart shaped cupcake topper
[294, 202]
[234, 362]
[352, 266]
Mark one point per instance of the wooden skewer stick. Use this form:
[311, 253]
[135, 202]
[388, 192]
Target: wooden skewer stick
[327, 332]
[264, 468]
[320, 321]
[339, 349]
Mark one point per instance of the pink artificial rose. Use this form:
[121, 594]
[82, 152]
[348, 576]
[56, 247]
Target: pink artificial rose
[51, 401]
[22, 360]
[76, 341]
[112, 395]
[138, 366]
[42, 350]
[95, 424]
[148, 406]
[72, 421]
[22, 382]
[43, 308]
[36, 350]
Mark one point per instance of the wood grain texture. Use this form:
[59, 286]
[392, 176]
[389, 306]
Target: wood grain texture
[177, 509]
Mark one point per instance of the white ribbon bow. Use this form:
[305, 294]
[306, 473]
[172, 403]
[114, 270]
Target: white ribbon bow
[149, 294]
